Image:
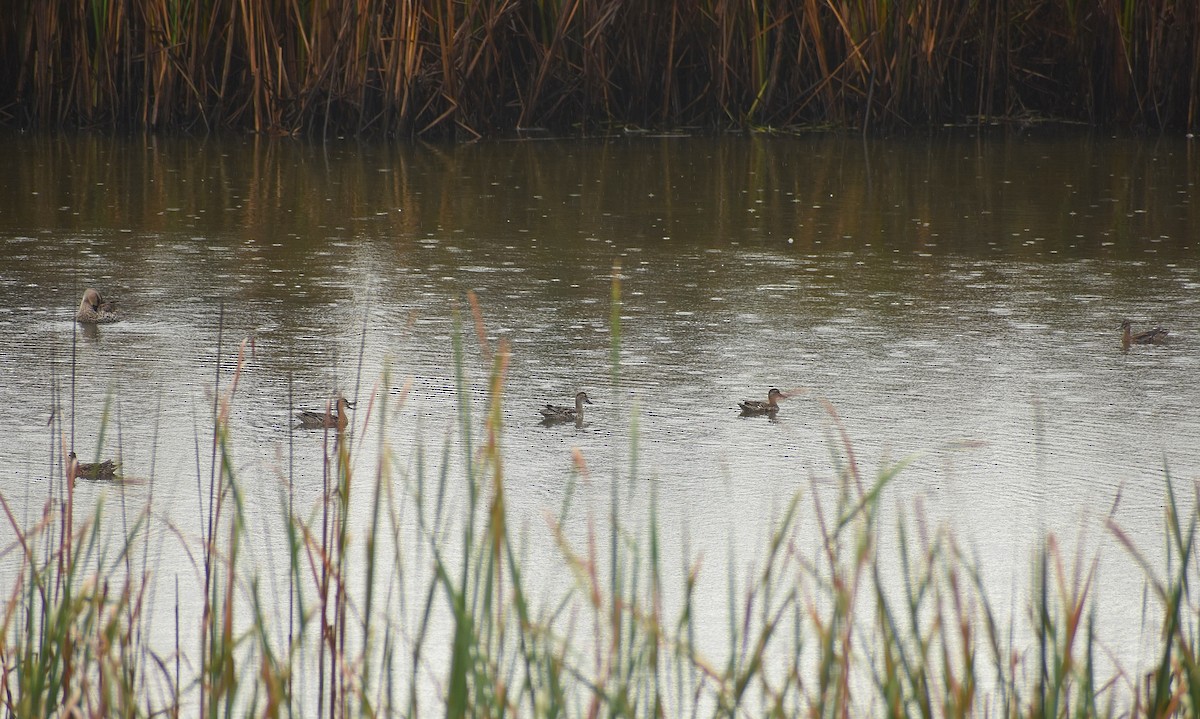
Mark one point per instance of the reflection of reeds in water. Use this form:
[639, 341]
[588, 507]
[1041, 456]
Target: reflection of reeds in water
[462, 68]
[905, 629]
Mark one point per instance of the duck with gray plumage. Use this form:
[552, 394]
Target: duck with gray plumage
[329, 419]
[105, 471]
[94, 310]
[556, 413]
[1153, 336]
[751, 407]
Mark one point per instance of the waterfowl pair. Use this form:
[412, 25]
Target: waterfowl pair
[94, 310]
[331, 419]
[99, 471]
[754, 406]
[1154, 336]
[555, 413]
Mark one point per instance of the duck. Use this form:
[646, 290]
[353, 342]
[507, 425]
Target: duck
[100, 471]
[94, 310]
[555, 413]
[337, 419]
[1154, 336]
[771, 406]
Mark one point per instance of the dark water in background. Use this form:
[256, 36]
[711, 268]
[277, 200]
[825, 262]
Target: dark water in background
[933, 290]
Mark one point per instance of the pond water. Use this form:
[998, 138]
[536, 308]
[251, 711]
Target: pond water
[955, 299]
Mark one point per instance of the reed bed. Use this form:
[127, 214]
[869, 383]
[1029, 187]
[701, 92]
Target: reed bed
[374, 626]
[459, 68]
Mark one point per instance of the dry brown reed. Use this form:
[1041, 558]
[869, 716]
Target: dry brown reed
[463, 69]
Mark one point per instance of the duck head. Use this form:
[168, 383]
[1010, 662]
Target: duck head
[91, 300]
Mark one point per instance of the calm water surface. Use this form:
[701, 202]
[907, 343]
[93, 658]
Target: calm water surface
[954, 299]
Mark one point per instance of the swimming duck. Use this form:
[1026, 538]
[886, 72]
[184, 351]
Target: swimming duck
[102, 471]
[94, 310]
[771, 406]
[338, 419]
[554, 413]
[1155, 336]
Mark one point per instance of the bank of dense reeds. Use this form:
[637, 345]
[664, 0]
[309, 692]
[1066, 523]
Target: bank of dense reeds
[368, 624]
[465, 68]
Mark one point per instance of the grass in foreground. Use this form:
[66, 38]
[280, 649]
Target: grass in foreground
[434, 617]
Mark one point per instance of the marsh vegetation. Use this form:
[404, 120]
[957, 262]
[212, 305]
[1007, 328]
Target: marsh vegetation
[464, 69]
